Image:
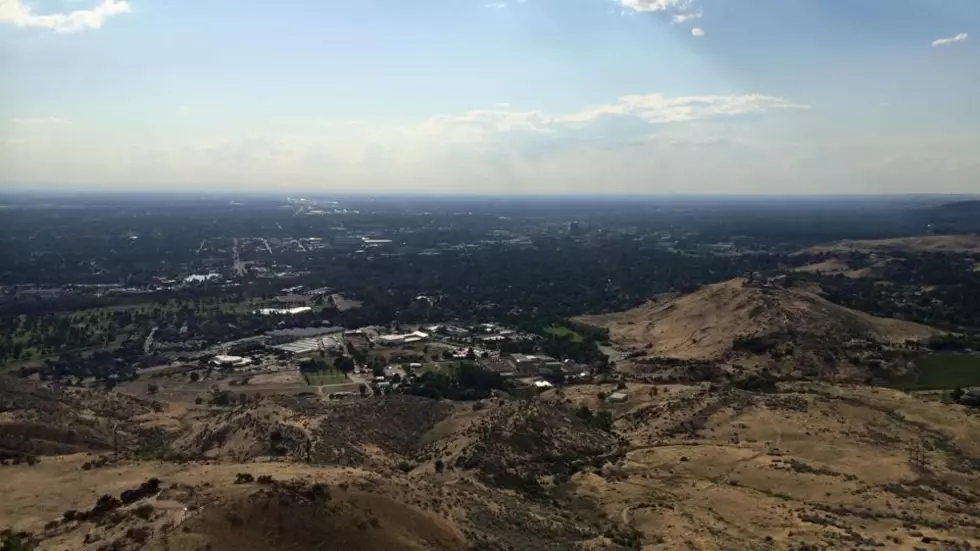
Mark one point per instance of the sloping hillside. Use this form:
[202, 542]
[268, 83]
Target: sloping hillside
[810, 466]
[287, 505]
[707, 323]
[359, 433]
[513, 443]
[920, 243]
[804, 466]
[41, 419]
[304, 516]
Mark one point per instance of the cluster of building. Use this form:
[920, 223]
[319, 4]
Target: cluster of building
[526, 365]
[295, 342]
[310, 345]
[397, 339]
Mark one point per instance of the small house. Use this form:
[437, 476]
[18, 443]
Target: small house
[617, 397]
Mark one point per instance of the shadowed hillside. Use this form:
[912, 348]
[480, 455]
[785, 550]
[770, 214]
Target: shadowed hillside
[41, 419]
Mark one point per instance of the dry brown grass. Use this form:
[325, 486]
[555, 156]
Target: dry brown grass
[922, 243]
[690, 467]
[703, 324]
[815, 464]
[283, 518]
[836, 266]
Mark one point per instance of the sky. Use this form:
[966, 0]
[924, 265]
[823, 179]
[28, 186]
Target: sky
[492, 96]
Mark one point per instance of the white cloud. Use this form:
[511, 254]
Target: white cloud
[660, 109]
[686, 17]
[632, 117]
[697, 31]
[495, 5]
[949, 40]
[39, 121]
[682, 10]
[654, 5]
[16, 13]
[498, 149]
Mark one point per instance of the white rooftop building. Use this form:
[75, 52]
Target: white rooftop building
[617, 397]
[406, 338]
[283, 311]
[226, 361]
[308, 345]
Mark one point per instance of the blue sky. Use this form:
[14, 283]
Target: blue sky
[505, 96]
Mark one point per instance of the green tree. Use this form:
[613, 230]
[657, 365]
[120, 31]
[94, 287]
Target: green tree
[15, 542]
[344, 364]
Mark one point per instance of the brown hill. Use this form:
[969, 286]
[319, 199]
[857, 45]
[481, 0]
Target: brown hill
[807, 466]
[837, 266]
[41, 419]
[921, 243]
[288, 505]
[811, 466]
[712, 323]
[513, 443]
[305, 516]
[364, 432]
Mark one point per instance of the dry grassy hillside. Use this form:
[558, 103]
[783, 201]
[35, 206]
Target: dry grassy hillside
[512, 444]
[704, 324]
[38, 419]
[376, 458]
[374, 432]
[304, 515]
[922, 243]
[288, 505]
[836, 266]
[810, 467]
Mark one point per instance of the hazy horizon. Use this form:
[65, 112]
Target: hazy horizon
[325, 194]
[485, 98]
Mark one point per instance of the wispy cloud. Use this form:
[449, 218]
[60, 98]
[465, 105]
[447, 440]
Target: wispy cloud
[16, 13]
[949, 40]
[39, 121]
[697, 31]
[682, 11]
[654, 5]
[495, 5]
[637, 111]
[686, 17]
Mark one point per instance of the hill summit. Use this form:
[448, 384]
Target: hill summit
[745, 317]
